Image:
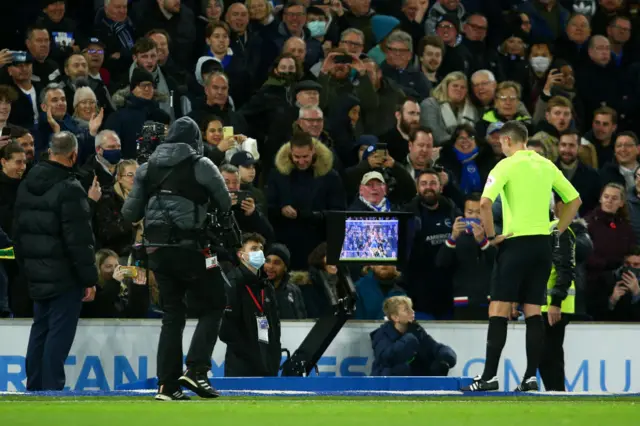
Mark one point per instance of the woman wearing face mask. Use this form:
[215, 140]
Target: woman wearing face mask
[118, 295]
[235, 67]
[251, 324]
[112, 230]
[560, 81]
[318, 25]
[540, 59]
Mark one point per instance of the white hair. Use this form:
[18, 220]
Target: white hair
[488, 73]
[104, 135]
[310, 108]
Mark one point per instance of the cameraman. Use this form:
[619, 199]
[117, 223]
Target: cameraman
[173, 192]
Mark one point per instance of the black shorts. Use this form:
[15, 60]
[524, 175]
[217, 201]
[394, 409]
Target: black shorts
[522, 269]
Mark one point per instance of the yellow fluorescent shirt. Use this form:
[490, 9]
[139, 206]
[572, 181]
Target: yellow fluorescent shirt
[524, 182]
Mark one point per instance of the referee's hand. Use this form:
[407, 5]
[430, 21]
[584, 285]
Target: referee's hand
[499, 239]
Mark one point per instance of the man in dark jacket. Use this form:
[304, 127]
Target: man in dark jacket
[140, 106]
[432, 293]
[175, 18]
[469, 255]
[251, 325]
[584, 178]
[288, 295]
[113, 26]
[54, 246]
[173, 192]
[401, 347]
[301, 187]
[25, 110]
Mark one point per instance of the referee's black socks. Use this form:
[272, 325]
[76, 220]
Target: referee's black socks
[496, 338]
[535, 342]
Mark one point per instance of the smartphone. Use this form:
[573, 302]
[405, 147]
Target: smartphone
[242, 196]
[343, 59]
[227, 132]
[18, 55]
[469, 221]
[129, 271]
[6, 131]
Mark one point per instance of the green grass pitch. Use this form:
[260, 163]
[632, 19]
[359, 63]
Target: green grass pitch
[232, 411]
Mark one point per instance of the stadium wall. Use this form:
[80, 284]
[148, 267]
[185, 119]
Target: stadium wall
[108, 353]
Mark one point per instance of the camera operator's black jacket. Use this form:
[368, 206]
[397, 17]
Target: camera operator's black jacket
[246, 356]
[183, 142]
[471, 265]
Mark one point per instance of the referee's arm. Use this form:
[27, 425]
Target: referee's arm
[570, 198]
[495, 183]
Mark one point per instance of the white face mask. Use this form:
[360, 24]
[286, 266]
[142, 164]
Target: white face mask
[540, 64]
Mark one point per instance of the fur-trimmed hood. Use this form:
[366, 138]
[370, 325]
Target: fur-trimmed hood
[119, 98]
[299, 278]
[322, 163]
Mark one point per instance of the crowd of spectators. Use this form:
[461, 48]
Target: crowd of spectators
[298, 104]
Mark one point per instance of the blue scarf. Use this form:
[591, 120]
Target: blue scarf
[384, 206]
[470, 180]
[225, 61]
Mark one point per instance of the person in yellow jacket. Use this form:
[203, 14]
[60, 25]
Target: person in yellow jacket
[561, 297]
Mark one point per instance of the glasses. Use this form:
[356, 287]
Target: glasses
[129, 175]
[314, 120]
[88, 102]
[482, 84]
[352, 43]
[446, 27]
[96, 51]
[398, 51]
[623, 29]
[477, 27]
[146, 86]
[508, 98]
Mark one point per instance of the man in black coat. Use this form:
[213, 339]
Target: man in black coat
[251, 324]
[288, 294]
[585, 179]
[54, 246]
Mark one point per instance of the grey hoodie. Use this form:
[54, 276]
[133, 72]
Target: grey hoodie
[183, 141]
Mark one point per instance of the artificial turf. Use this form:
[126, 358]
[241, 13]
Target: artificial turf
[16, 411]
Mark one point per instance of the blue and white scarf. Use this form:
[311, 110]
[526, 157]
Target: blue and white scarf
[383, 207]
[470, 176]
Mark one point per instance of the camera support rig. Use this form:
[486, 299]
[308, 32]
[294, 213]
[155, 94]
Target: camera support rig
[326, 328]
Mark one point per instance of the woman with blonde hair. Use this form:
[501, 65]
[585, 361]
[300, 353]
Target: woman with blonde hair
[448, 107]
[119, 294]
[113, 231]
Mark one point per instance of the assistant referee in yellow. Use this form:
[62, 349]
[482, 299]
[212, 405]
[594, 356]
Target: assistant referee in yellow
[524, 180]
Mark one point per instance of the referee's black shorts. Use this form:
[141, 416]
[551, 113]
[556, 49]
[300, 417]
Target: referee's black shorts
[522, 269]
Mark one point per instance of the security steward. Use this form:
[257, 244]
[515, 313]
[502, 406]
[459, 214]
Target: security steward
[561, 298]
[173, 192]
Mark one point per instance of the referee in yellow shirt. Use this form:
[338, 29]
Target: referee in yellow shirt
[524, 180]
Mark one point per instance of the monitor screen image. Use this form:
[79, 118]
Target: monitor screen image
[370, 239]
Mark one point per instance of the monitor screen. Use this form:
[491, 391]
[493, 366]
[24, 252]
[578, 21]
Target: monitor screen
[370, 238]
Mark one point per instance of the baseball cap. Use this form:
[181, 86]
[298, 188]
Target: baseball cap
[94, 40]
[242, 158]
[494, 127]
[370, 176]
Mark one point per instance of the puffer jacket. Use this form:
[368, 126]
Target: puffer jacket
[53, 238]
[183, 141]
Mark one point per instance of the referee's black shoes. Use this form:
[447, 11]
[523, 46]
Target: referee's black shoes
[480, 385]
[528, 385]
[198, 383]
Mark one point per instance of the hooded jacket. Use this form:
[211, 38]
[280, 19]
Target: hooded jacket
[183, 141]
[53, 238]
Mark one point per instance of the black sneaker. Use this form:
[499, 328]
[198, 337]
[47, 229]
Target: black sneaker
[480, 385]
[528, 385]
[198, 383]
[165, 395]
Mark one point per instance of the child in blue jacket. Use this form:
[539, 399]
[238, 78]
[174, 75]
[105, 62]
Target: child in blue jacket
[401, 347]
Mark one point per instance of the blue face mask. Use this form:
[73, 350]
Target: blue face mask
[113, 156]
[256, 259]
[317, 28]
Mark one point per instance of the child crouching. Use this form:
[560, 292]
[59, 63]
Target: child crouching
[401, 347]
